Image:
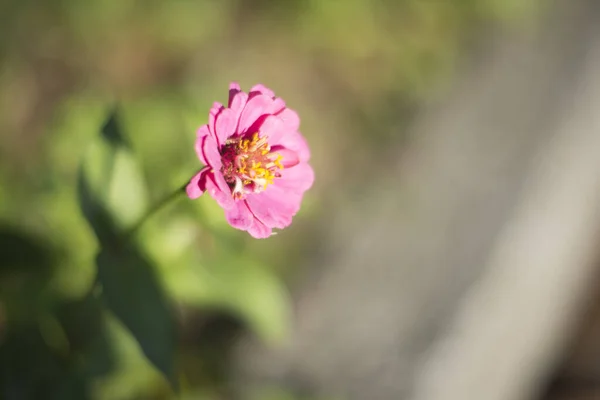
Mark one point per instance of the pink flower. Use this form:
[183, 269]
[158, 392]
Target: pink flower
[256, 161]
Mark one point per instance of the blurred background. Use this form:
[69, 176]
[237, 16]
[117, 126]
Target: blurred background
[347, 302]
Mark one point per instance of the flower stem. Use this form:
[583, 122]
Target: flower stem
[152, 210]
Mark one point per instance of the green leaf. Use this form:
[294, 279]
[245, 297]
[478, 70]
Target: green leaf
[112, 198]
[21, 250]
[30, 369]
[95, 212]
[26, 267]
[84, 323]
[132, 292]
[110, 178]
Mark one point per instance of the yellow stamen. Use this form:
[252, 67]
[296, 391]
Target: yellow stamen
[254, 165]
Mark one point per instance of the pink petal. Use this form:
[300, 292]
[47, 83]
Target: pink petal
[297, 179]
[273, 213]
[237, 105]
[234, 88]
[239, 216]
[212, 117]
[294, 141]
[255, 108]
[263, 89]
[284, 203]
[277, 106]
[197, 184]
[202, 131]
[289, 158]
[290, 119]
[219, 190]
[237, 100]
[208, 152]
[225, 126]
[258, 230]
[198, 147]
[260, 209]
[273, 128]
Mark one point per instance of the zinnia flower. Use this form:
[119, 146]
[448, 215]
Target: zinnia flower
[256, 161]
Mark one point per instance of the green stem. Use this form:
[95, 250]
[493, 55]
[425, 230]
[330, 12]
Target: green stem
[162, 203]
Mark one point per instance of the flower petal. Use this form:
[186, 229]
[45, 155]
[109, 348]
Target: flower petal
[197, 184]
[273, 128]
[208, 151]
[260, 209]
[237, 105]
[277, 106]
[263, 89]
[255, 108]
[290, 119]
[258, 230]
[272, 212]
[219, 190]
[297, 179]
[283, 203]
[289, 158]
[234, 89]
[198, 147]
[293, 141]
[202, 131]
[237, 100]
[239, 216]
[225, 126]
[212, 117]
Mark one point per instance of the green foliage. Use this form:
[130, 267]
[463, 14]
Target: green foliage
[111, 191]
[65, 340]
[133, 293]
[26, 264]
[111, 181]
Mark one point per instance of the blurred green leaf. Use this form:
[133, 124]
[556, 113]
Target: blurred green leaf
[111, 198]
[26, 265]
[132, 292]
[110, 178]
[84, 323]
[20, 251]
[133, 376]
[95, 212]
[67, 371]
[29, 369]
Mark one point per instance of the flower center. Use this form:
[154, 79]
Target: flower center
[249, 166]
